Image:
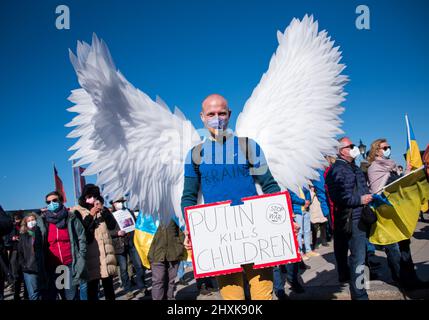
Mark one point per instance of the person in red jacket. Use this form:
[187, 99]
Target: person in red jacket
[66, 249]
[331, 160]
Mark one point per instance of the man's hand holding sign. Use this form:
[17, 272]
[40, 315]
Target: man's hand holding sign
[260, 232]
[188, 244]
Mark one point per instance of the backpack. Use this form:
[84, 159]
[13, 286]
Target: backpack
[243, 143]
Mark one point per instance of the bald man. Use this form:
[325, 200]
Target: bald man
[226, 167]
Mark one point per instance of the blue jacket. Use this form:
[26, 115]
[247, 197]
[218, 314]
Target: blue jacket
[298, 202]
[341, 181]
[319, 188]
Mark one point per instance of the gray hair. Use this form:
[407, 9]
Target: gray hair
[341, 143]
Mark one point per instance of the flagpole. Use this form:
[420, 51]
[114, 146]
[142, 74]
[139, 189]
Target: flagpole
[74, 183]
[55, 185]
[408, 134]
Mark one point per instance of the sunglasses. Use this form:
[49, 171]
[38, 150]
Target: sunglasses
[351, 146]
[53, 200]
[386, 148]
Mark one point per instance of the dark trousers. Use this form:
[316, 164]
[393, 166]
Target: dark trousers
[407, 271]
[356, 243]
[93, 289]
[18, 276]
[123, 271]
[316, 227]
[2, 279]
[3, 270]
[123, 267]
[208, 282]
[164, 279]
[393, 260]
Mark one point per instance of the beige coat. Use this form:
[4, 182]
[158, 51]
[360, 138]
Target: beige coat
[316, 213]
[101, 260]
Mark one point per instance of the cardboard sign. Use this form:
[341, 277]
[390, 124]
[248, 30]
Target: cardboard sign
[125, 220]
[225, 237]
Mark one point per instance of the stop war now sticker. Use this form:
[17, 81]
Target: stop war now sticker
[258, 232]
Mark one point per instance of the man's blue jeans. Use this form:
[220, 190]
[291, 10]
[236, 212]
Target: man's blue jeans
[32, 284]
[183, 264]
[68, 293]
[280, 277]
[138, 266]
[83, 290]
[304, 223]
[123, 267]
[357, 244]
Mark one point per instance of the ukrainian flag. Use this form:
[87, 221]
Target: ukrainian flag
[413, 153]
[397, 217]
[146, 228]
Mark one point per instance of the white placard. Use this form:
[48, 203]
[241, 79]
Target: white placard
[224, 237]
[125, 220]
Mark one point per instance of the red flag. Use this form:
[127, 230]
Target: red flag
[59, 187]
[82, 178]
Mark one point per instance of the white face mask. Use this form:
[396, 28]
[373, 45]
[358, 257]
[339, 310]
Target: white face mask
[354, 153]
[31, 224]
[90, 200]
[387, 154]
[119, 205]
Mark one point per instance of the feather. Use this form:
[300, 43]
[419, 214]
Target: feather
[134, 145]
[293, 113]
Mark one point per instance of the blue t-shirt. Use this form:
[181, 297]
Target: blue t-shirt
[225, 170]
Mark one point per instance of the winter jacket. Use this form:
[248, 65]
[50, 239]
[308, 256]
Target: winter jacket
[101, 260]
[122, 244]
[31, 252]
[8, 242]
[380, 172]
[167, 244]
[316, 212]
[341, 181]
[78, 246]
[298, 202]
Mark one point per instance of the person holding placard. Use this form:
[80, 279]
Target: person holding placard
[226, 167]
[125, 250]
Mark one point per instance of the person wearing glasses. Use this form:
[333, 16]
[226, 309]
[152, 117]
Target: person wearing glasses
[381, 172]
[348, 190]
[66, 244]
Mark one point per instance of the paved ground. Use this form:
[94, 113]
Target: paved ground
[320, 282]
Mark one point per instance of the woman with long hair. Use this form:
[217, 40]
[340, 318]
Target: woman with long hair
[31, 256]
[381, 172]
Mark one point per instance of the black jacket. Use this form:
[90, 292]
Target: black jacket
[90, 224]
[346, 184]
[31, 252]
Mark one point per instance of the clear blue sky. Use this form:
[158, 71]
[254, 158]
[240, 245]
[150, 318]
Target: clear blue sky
[185, 50]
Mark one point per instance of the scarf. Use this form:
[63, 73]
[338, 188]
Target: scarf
[58, 218]
[379, 172]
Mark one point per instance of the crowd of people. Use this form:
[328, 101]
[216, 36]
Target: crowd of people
[86, 245]
[68, 253]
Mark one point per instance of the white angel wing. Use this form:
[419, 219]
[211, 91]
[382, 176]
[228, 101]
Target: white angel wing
[294, 111]
[135, 145]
